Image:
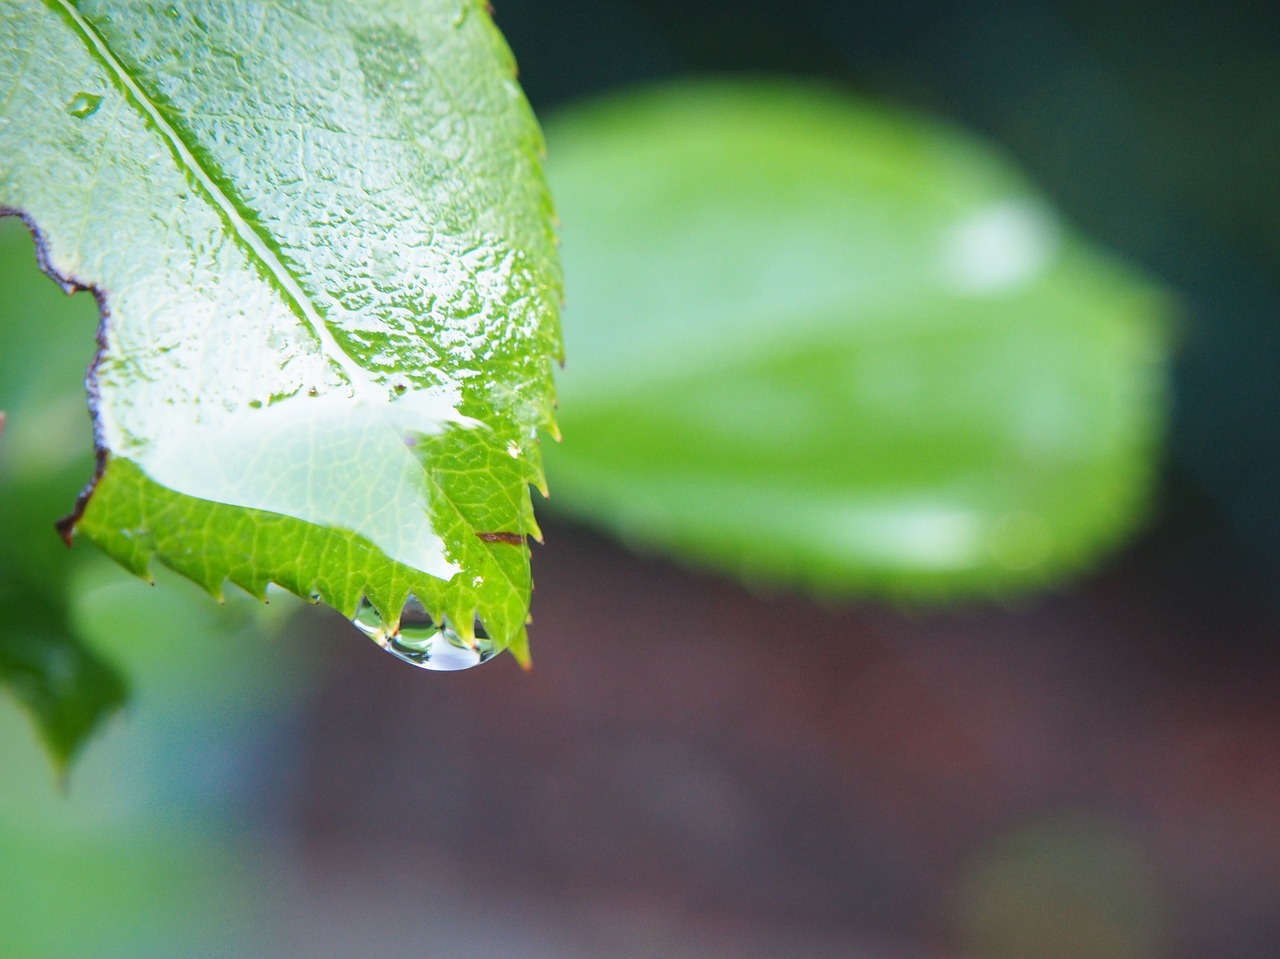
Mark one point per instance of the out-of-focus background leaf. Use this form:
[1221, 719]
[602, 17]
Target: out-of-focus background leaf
[140, 850]
[1148, 127]
[822, 342]
[45, 458]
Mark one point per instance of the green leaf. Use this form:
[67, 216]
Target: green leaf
[66, 687]
[819, 341]
[64, 684]
[322, 245]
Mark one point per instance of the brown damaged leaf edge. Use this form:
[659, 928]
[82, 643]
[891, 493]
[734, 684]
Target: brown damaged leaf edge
[67, 525]
[511, 539]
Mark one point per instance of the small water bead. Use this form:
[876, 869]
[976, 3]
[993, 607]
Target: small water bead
[422, 641]
[84, 105]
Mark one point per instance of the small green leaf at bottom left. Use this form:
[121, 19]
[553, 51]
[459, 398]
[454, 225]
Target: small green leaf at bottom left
[45, 454]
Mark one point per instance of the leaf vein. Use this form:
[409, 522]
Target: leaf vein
[286, 283]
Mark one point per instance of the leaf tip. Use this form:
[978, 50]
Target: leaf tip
[519, 649]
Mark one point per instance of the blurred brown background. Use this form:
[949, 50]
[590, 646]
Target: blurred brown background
[692, 769]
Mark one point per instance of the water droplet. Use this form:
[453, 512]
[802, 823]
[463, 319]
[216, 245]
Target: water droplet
[172, 12]
[84, 105]
[422, 641]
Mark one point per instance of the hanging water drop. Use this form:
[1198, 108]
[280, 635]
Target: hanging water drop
[422, 641]
[84, 105]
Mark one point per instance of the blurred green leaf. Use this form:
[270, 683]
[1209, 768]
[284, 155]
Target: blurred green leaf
[159, 796]
[45, 455]
[324, 252]
[67, 689]
[819, 341]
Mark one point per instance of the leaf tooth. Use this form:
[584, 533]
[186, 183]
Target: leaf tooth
[460, 613]
[346, 597]
[290, 583]
[465, 627]
[519, 648]
[538, 480]
[254, 586]
[188, 563]
[535, 469]
[136, 561]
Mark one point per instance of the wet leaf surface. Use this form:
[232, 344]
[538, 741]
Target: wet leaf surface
[322, 245]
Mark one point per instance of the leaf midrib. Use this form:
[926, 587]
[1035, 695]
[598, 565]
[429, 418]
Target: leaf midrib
[253, 240]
